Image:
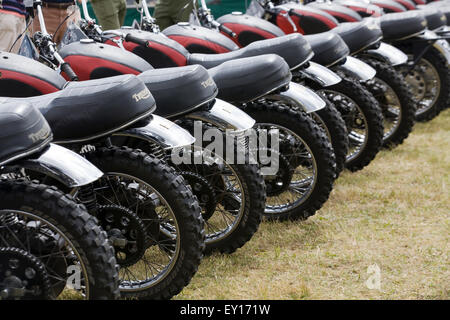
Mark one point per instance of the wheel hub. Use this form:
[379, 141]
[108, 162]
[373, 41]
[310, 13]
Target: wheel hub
[43, 242]
[279, 183]
[126, 232]
[425, 84]
[204, 192]
[417, 82]
[22, 276]
[288, 146]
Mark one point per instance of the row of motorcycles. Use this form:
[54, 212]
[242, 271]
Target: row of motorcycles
[110, 186]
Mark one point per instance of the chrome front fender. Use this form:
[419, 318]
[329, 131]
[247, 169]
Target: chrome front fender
[300, 96]
[389, 54]
[357, 69]
[320, 74]
[443, 47]
[224, 116]
[161, 131]
[64, 165]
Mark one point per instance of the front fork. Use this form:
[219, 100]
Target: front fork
[87, 196]
[421, 44]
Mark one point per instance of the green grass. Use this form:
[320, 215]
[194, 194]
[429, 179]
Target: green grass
[395, 213]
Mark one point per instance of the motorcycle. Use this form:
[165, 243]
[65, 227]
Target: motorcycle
[444, 7]
[364, 39]
[45, 237]
[231, 195]
[296, 52]
[364, 42]
[356, 105]
[306, 179]
[441, 27]
[155, 226]
[426, 71]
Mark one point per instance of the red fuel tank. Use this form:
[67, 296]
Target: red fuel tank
[408, 4]
[91, 60]
[364, 9]
[339, 12]
[24, 77]
[389, 6]
[307, 20]
[249, 29]
[161, 51]
[197, 39]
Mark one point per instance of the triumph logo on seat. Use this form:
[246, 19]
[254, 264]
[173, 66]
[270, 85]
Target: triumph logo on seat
[144, 94]
[42, 134]
[208, 83]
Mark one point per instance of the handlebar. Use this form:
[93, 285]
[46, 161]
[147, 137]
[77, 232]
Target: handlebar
[136, 40]
[213, 23]
[67, 69]
[227, 30]
[203, 4]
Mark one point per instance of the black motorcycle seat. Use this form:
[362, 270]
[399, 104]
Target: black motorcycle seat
[24, 131]
[444, 7]
[179, 90]
[435, 18]
[328, 47]
[91, 109]
[359, 35]
[402, 25]
[247, 79]
[293, 48]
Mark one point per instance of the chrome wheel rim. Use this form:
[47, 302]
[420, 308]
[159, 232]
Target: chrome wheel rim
[160, 257]
[425, 84]
[355, 120]
[304, 176]
[391, 107]
[227, 186]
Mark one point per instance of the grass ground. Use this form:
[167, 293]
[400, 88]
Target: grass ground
[394, 214]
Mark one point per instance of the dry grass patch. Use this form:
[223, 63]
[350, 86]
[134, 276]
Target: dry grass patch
[395, 213]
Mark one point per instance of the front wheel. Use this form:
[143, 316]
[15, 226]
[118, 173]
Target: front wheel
[363, 118]
[429, 80]
[307, 164]
[230, 189]
[50, 247]
[330, 119]
[153, 219]
[395, 98]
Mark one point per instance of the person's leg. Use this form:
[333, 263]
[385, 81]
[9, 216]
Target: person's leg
[182, 10]
[163, 13]
[169, 12]
[106, 14]
[122, 11]
[11, 26]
